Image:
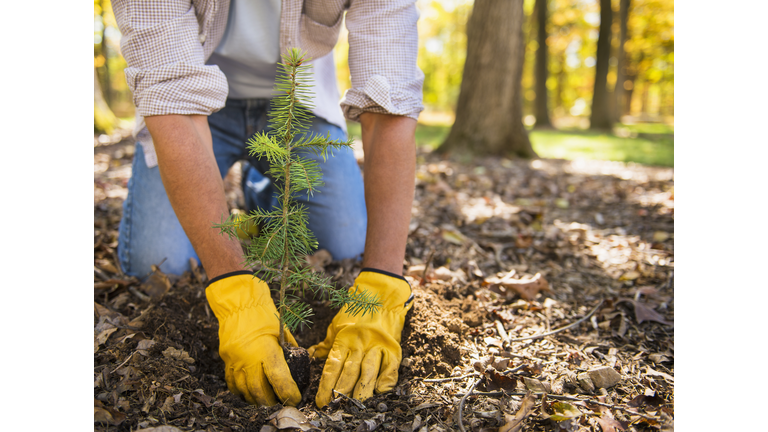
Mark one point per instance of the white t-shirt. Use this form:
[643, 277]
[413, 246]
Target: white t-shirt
[250, 49]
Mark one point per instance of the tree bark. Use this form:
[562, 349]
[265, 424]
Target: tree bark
[107, 78]
[489, 110]
[104, 120]
[618, 90]
[601, 115]
[542, 68]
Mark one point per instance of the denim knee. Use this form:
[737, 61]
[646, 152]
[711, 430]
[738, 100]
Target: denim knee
[150, 234]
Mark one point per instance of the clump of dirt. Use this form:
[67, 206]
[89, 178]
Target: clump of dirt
[433, 334]
[297, 359]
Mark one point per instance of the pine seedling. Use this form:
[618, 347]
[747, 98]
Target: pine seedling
[279, 250]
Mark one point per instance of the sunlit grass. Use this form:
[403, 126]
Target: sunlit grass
[604, 146]
[648, 144]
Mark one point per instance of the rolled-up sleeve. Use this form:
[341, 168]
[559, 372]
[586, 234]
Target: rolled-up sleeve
[383, 48]
[163, 49]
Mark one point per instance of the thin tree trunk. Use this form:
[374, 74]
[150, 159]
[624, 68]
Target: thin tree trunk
[104, 120]
[601, 116]
[542, 69]
[489, 110]
[561, 76]
[618, 90]
[106, 78]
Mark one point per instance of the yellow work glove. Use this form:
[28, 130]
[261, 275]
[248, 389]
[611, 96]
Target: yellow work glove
[364, 350]
[254, 366]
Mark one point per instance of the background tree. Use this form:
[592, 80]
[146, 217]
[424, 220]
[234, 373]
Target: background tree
[618, 90]
[489, 110]
[601, 117]
[542, 67]
[104, 120]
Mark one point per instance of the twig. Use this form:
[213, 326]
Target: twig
[356, 402]
[561, 328]
[461, 404]
[435, 380]
[139, 294]
[121, 364]
[426, 266]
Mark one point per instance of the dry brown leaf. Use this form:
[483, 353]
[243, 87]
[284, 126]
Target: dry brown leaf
[515, 423]
[645, 313]
[173, 353]
[666, 376]
[157, 284]
[318, 260]
[630, 275]
[290, 418]
[608, 424]
[102, 414]
[527, 288]
[497, 381]
[102, 337]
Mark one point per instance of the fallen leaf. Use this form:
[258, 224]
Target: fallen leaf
[453, 236]
[515, 423]
[493, 341]
[630, 275]
[416, 423]
[102, 337]
[535, 385]
[527, 288]
[564, 411]
[102, 414]
[660, 236]
[666, 376]
[319, 260]
[497, 381]
[157, 284]
[290, 417]
[425, 405]
[645, 313]
[608, 424]
[645, 290]
[144, 345]
[501, 364]
[173, 353]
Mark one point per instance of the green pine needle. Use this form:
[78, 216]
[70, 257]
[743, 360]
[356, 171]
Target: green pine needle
[279, 251]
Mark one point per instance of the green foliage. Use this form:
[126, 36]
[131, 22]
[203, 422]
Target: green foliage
[279, 250]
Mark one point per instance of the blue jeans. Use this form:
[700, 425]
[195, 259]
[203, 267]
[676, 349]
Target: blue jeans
[150, 232]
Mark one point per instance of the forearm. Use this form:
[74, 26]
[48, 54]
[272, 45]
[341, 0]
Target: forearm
[192, 181]
[390, 167]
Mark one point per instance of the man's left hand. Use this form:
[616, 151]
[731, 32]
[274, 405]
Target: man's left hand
[364, 351]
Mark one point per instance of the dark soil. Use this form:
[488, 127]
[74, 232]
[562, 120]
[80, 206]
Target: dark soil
[599, 233]
[297, 359]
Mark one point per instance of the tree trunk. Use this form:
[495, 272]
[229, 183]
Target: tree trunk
[489, 111]
[542, 69]
[618, 90]
[104, 120]
[107, 78]
[561, 76]
[601, 115]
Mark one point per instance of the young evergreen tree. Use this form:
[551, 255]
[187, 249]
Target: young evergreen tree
[280, 248]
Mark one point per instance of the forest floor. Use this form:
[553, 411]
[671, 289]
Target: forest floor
[500, 252]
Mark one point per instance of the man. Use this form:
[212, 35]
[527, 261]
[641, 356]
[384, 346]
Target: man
[184, 57]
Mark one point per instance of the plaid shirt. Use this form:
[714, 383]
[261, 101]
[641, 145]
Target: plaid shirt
[166, 44]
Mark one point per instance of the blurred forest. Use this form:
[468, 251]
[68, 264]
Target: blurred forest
[635, 108]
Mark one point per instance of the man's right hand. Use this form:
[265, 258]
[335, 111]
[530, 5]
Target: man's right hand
[248, 340]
